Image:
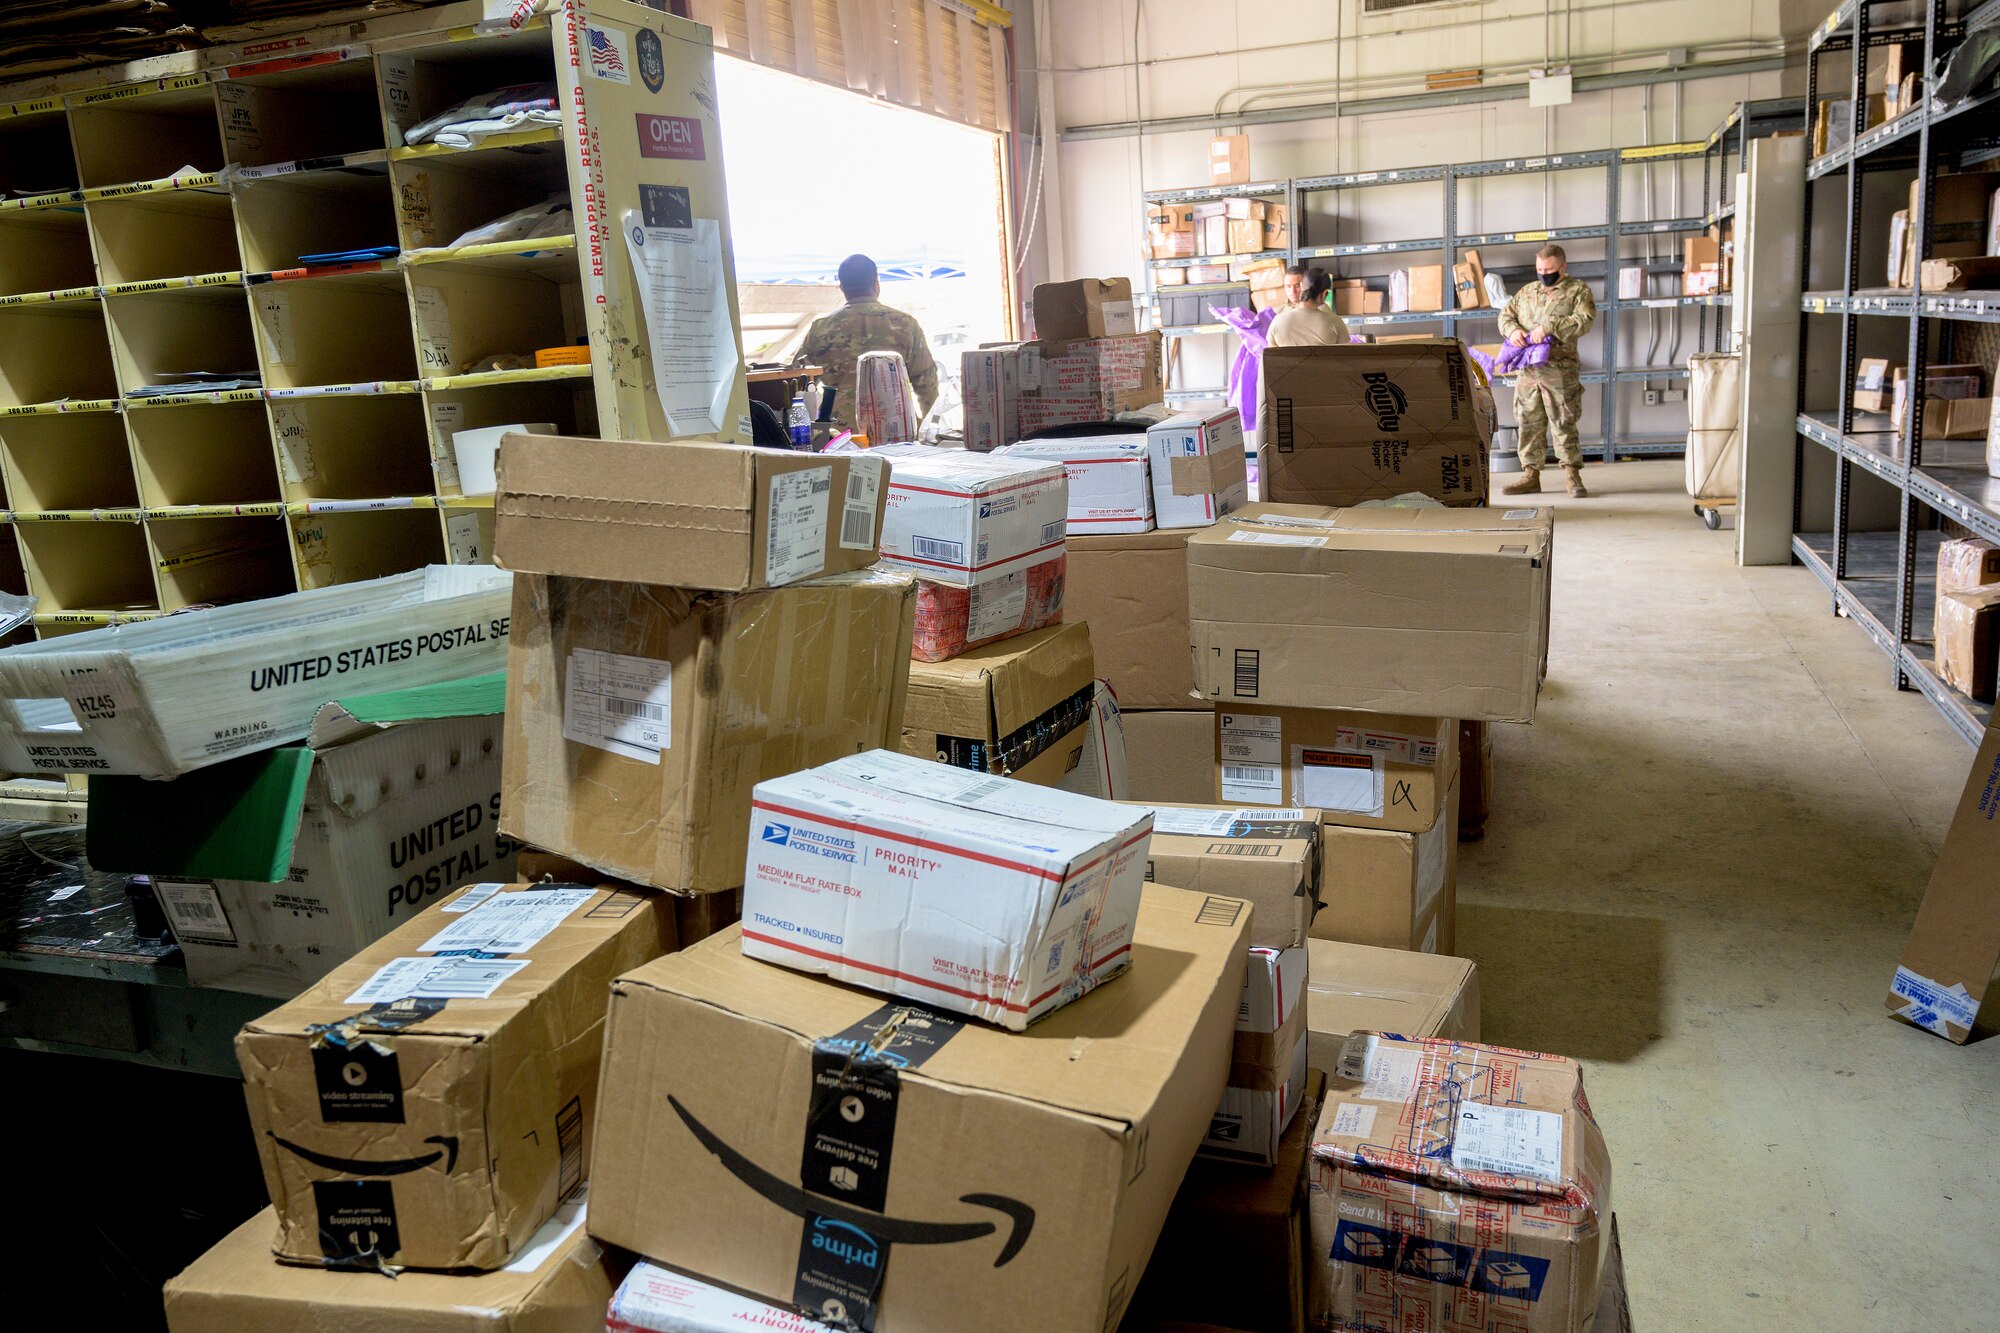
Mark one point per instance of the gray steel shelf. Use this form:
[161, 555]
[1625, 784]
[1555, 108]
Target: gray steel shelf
[1369, 248]
[1354, 179]
[1262, 189]
[1978, 307]
[1895, 304]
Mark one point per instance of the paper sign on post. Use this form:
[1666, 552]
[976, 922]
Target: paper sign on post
[677, 259]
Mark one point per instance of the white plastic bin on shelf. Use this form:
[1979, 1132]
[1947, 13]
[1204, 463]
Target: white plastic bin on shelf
[477, 449]
[164, 697]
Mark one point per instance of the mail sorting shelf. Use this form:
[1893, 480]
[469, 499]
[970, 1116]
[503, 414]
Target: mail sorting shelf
[1854, 468]
[1267, 192]
[1753, 119]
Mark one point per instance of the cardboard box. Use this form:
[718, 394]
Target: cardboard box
[1131, 593]
[1960, 204]
[1229, 159]
[1084, 308]
[1391, 890]
[723, 517]
[1417, 1137]
[1170, 755]
[1212, 236]
[1875, 383]
[1631, 283]
[1093, 379]
[999, 708]
[1359, 988]
[1199, 468]
[1269, 858]
[1475, 778]
[1417, 288]
[276, 866]
[982, 895]
[653, 1299]
[1110, 480]
[1251, 1118]
[957, 517]
[1244, 209]
[1957, 418]
[1277, 235]
[639, 718]
[1955, 275]
[1170, 217]
[1363, 770]
[1172, 244]
[1954, 947]
[1246, 236]
[1041, 1168]
[951, 620]
[1170, 277]
[1968, 640]
[561, 1281]
[430, 1102]
[990, 385]
[1357, 301]
[1205, 275]
[1468, 280]
[1418, 612]
[158, 698]
[1967, 562]
[1371, 422]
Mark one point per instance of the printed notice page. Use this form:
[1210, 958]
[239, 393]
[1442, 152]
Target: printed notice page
[683, 287]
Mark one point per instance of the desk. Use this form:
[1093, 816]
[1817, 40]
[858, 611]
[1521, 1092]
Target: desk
[776, 386]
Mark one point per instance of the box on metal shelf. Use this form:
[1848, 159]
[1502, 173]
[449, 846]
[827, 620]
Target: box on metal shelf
[639, 717]
[274, 867]
[1350, 423]
[1171, 243]
[1170, 755]
[1967, 562]
[1277, 227]
[1269, 858]
[1083, 308]
[1360, 988]
[1418, 288]
[1944, 975]
[1357, 300]
[1967, 629]
[429, 1103]
[1468, 280]
[1246, 236]
[1170, 277]
[1953, 275]
[1202, 275]
[1110, 480]
[1417, 612]
[714, 1063]
[1701, 266]
[1212, 236]
[1414, 1137]
[721, 517]
[1229, 159]
[1363, 770]
[562, 1279]
[160, 698]
[1009, 708]
[1391, 890]
[1131, 592]
[1875, 383]
[984, 895]
[1200, 470]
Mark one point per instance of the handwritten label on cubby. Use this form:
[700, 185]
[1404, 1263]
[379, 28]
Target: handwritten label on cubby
[315, 560]
[295, 451]
[433, 330]
[446, 420]
[274, 309]
[241, 131]
[414, 198]
[462, 536]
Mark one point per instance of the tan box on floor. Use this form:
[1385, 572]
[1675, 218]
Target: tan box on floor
[639, 718]
[1013, 707]
[1954, 947]
[1364, 770]
[562, 1281]
[1967, 625]
[430, 1102]
[1084, 308]
[1269, 858]
[1039, 1168]
[1391, 890]
[722, 517]
[1170, 755]
[1359, 988]
[1131, 591]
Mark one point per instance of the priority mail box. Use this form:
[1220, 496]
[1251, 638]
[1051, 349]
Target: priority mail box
[561, 1280]
[958, 518]
[428, 1104]
[1359, 422]
[1457, 1186]
[1170, 756]
[722, 517]
[1416, 612]
[1941, 981]
[1110, 481]
[159, 698]
[274, 867]
[1001, 707]
[1269, 858]
[1274, 988]
[1200, 471]
[968, 1169]
[1131, 591]
[1389, 889]
[981, 895]
[653, 1299]
[951, 619]
[1084, 308]
[639, 718]
[1258, 1104]
[1364, 770]
[1357, 988]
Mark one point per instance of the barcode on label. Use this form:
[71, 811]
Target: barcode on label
[1247, 670]
[1053, 532]
[634, 708]
[200, 911]
[1258, 774]
[857, 526]
[983, 790]
[468, 980]
[936, 548]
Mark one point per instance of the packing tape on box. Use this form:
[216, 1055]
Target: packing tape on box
[1209, 474]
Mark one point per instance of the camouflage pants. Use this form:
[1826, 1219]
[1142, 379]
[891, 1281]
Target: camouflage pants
[1547, 401]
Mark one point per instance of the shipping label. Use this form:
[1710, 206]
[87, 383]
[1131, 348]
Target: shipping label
[509, 922]
[857, 510]
[620, 703]
[795, 524]
[1336, 780]
[450, 978]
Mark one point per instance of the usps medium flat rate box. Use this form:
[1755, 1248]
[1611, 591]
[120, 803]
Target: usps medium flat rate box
[163, 697]
[957, 890]
[1110, 480]
[1200, 470]
[958, 517]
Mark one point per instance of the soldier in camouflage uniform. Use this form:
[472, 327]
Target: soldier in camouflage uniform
[1557, 310]
[835, 342]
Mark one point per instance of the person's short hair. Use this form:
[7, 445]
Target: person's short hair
[858, 276]
[1296, 270]
[1554, 252]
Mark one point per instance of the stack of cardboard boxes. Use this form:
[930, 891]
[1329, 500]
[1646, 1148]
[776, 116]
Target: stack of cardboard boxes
[1966, 622]
[1087, 366]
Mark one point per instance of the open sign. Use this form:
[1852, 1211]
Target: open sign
[671, 136]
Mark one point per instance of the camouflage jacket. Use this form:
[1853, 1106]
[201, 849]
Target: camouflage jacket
[836, 342]
[1566, 310]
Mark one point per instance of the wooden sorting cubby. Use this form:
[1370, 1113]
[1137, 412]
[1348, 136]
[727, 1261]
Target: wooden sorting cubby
[299, 110]
[423, 77]
[44, 249]
[35, 154]
[341, 328]
[234, 558]
[202, 454]
[468, 311]
[86, 565]
[352, 446]
[313, 212]
[157, 336]
[161, 234]
[442, 196]
[145, 131]
[52, 352]
[569, 405]
[67, 461]
[341, 546]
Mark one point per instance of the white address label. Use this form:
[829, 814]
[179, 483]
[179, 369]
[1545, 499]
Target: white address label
[619, 703]
[1512, 1140]
[795, 525]
[508, 922]
[436, 979]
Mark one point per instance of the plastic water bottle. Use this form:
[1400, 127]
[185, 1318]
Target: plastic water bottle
[798, 423]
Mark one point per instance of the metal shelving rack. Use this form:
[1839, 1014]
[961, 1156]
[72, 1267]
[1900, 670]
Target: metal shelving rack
[1881, 580]
[1281, 191]
[1754, 119]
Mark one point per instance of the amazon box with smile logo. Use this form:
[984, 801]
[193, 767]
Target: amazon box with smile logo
[905, 1169]
[429, 1103]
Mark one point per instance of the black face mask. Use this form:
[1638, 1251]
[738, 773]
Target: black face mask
[1550, 279]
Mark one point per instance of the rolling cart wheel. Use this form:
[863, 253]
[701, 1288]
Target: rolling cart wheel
[1712, 518]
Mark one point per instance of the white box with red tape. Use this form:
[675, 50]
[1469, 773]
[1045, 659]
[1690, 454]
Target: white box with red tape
[961, 518]
[1200, 471]
[1110, 480]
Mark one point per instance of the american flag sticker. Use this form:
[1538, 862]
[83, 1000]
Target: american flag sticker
[608, 59]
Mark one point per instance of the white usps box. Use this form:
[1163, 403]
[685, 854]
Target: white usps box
[163, 697]
[954, 889]
[1200, 471]
[1274, 986]
[961, 518]
[652, 1299]
[1110, 480]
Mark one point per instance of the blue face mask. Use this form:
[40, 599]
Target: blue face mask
[1550, 279]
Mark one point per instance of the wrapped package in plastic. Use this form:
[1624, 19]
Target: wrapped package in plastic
[951, 619]
[884, 409]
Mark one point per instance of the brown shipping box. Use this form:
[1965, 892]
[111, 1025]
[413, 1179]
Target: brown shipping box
[1954, 947]
[1038, 1168]
[1015, 707]
[1087, 379]
[1372, 421]
[1429, 1136]
[1170, 755]
[1229, 159]
[1475, 779]
[1967, 562]
[1268, 859]
[1391, 890]
[424, 1107]
[1358, 988]
[639, 718]
[1363, 770]
[1357, 300]
[1426, 287]
[1418, 612]
[1084, 308]
[1968, 640]
[723, 517]
[1875, 383]
[1954, 275]
[1131, 591]
[563, 1281]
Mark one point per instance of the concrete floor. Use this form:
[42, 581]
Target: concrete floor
[1701, 866]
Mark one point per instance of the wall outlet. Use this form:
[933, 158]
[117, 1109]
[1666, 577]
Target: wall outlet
[1674, 396]
[1652, 397]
